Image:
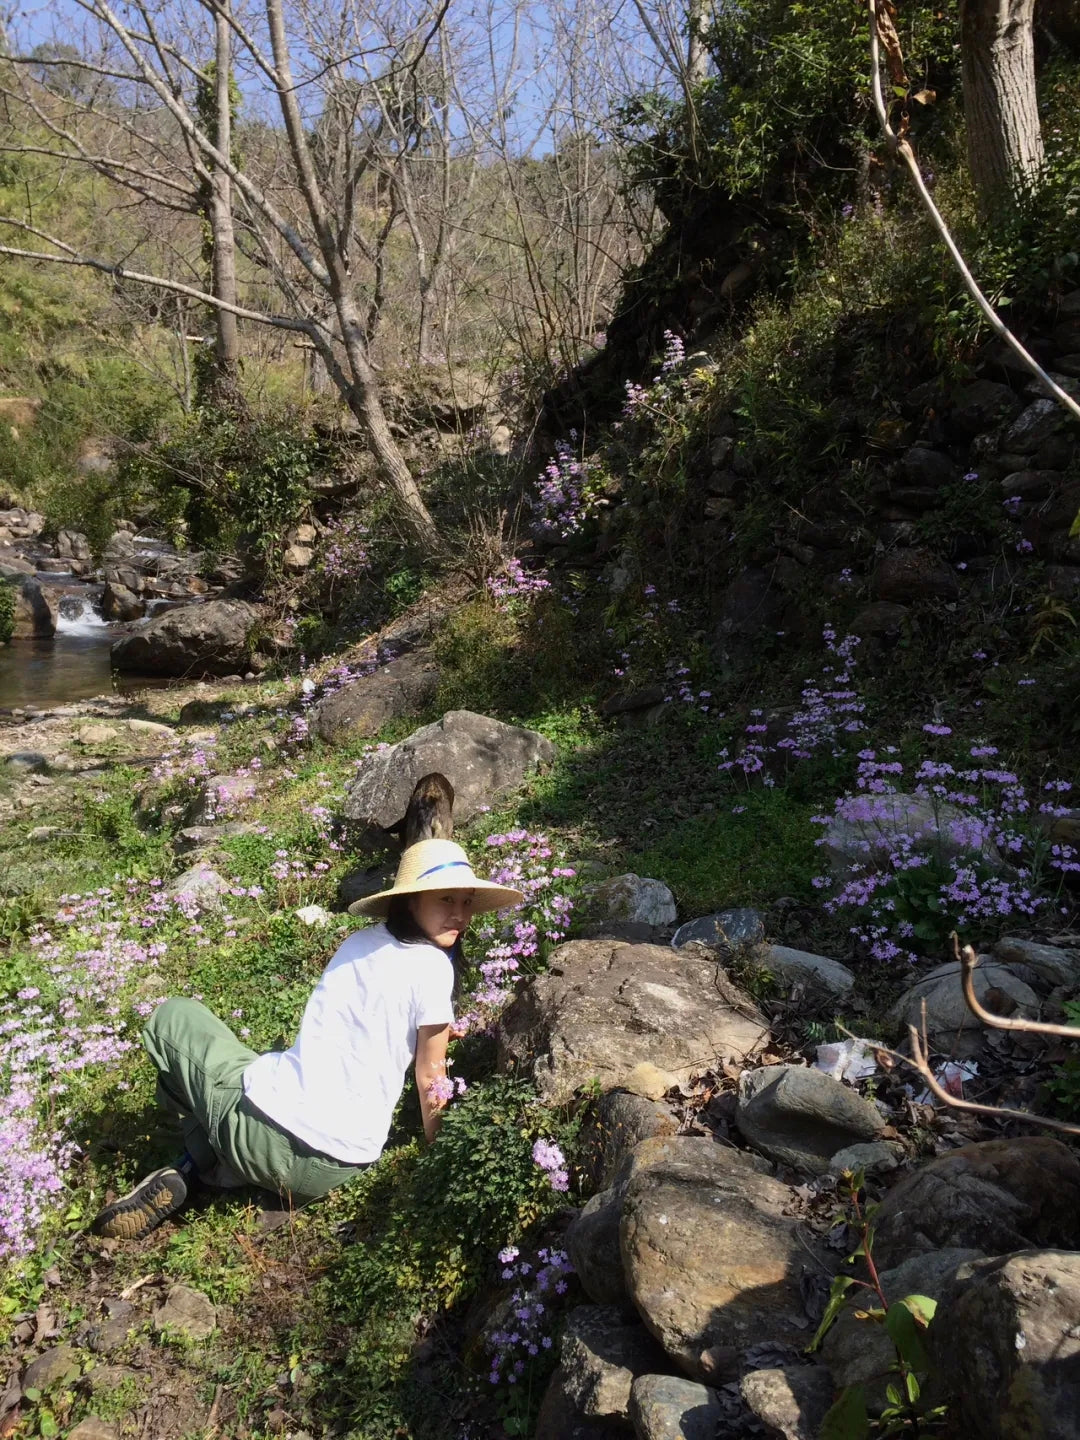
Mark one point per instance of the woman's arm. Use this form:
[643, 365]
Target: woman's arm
[431, 1043]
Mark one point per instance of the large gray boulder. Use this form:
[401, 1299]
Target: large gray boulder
[616, 1127]
[1052, 964]
[867, 827]
[360, 709]
[713, 1259]
[817, 974]
[663, 1407]
[723, 930]
[996, 1196]
[630, 907]
[36, 611]
[482, 759]
[790, 1401]
[802, 1117]
[604, 1007]
[1006, 1340]
[208, 639]
[560, 1419]
[602, 1353]
[948, 1019]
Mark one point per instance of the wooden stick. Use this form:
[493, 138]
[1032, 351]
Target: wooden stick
[968, 961]
[899, 145]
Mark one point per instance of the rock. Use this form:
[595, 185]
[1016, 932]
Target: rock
[996, 1196]
[204, 837]
[109, 1334]
[712, 1261]
[120, 603]
[560, 1419]
[187, 1312]
[360, 710]
[922, 466]
[313, 915]
[358, 884]
[859, 1352]
[193, 640]
[620, 1122]
[947, 1014]
[865, 829]
[726, 929]
[73, 545]
[876, 1157]
[36, 611]
[602, 1354]
[903, 576]
[18, 413]
[93, 1429]
[54, 1367]
[97, 734]
[27, 762]
[604, 1007]
[1030, 484]
[1052, 963]
[481, 758]
[792, 1401]
[219, 795]
[1007, 1342]
[592, 1242]
[198, 888]
[802, 1117]
[881, 620]
[296, 558]
[632, 906]
[501, 440]
[982, 405]
[648, 698]
[749, 605]
[662, 1407]
[802, 967]
[1036, 423]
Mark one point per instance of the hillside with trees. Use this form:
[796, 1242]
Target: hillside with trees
[663, 423]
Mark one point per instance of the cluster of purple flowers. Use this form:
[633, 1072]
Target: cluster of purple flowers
[515, 583]
[526, 1332]
[565, 498]
[552, 1161]
[830, 711]
[345, 551]
[638, 397]
[518, 939]
[966, 847]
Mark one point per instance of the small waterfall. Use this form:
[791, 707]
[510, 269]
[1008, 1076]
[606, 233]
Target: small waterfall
[78, 617]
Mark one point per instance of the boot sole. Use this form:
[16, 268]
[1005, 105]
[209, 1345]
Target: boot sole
[144, 1208]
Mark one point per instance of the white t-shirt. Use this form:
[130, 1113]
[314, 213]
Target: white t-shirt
[337, 1087]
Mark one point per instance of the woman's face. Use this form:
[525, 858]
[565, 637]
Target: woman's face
[443, 914]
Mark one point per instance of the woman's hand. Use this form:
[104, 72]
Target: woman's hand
[431, 1081]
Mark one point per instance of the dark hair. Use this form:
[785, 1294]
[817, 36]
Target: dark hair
[403, 926]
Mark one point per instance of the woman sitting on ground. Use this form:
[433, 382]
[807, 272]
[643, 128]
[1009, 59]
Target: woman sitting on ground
[303, 1121]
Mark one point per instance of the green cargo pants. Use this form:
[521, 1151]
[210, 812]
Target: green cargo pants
[201, 1068]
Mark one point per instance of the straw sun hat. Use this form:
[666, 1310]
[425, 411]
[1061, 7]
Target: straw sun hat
[438, 865]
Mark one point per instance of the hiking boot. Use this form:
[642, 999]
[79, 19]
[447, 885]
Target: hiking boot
[144, 1208]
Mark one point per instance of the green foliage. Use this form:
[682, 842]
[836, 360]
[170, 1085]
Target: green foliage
[1064, 1085]
[906, 1321]
[247, 477]
[505, 661]
[428, 1224]
[789, 97]
[7, 611]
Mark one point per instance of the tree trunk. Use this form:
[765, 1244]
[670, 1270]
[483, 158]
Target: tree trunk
[697, 57]
[227, 348]
[1000, 108]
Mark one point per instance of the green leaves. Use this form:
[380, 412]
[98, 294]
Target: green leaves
[847, 1419]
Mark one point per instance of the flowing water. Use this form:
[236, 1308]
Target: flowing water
[72, 666]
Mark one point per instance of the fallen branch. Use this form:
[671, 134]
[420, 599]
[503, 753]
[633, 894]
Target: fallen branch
[996, 1112]
[883, 32]
[968, 961]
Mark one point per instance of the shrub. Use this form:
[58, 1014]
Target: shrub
[7, 611]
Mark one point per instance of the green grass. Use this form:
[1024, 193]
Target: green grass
[722, 859]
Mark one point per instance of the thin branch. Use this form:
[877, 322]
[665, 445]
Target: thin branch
[968, 961]
[899, 145]
[995, 1112]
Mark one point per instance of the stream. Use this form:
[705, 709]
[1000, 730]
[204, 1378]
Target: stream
[74, 665]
